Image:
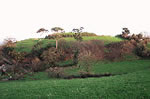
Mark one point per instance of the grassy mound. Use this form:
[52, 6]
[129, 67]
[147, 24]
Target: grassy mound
[131, 78]
[26, 45]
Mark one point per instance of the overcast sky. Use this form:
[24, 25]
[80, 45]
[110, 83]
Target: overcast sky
[22, 18]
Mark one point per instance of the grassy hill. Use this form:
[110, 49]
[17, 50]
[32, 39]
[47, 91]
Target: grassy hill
[26, 45]
[129, 76]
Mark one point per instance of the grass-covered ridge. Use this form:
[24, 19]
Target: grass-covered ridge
[26, 45]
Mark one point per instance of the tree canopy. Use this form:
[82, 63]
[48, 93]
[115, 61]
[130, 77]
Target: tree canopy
[57, 29]
[42, 30]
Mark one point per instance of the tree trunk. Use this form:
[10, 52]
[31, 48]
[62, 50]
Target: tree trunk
[56, 43]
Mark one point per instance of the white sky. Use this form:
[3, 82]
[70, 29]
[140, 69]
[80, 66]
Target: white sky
[22, 18]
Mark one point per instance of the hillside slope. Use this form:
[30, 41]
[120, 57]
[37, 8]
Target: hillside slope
[26, 45]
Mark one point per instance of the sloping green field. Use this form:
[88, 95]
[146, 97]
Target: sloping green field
[26, 45]
[135, 84]
[130, 86]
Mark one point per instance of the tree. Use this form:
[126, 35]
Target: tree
[125, 32]
[57, 30]
[140, 36]
[78, 37]
[42, 30]
[77, 34]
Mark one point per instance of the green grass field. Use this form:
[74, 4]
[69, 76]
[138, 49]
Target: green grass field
[26, 45]
[130, 80]
[122, 67]
[134, 84]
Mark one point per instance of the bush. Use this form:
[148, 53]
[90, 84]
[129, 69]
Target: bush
[53, 36]
[38, 49]
[113, 54]
[55, 72]
[1, 57]
[86, 60]
[73, 49]
[142, 50]
[18, 57]
[68, 48]
[51, 56]
[116, 51]
[95, 47]
[78, 36]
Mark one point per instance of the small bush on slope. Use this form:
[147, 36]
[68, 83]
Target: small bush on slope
[51, 56]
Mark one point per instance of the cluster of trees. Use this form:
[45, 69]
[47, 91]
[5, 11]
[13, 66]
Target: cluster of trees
[140, 41]
[57, 30]
[125, 35]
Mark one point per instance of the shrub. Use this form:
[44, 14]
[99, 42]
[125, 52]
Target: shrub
[116, 51]
[53, 36]
[51, 56]
[88, 34]
[17, 56]
[73, 49]
[113, 54]
[38, 49]
[142, 50]
[7, 48]
[95, 47]
[6, 51]
[86, 60]
[68, 48]
[78, 36]
[1, 57]
[55, 72]
[37, 65]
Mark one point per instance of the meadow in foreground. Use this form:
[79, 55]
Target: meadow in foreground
[134, 85]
